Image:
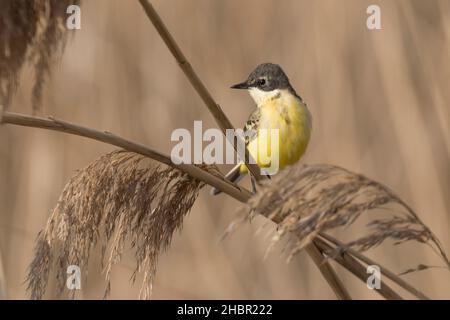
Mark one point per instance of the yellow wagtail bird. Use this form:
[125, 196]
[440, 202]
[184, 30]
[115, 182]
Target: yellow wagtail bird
[278, 107]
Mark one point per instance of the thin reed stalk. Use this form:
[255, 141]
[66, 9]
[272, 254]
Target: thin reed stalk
[341, 247]
[51, 123]
[352, 265]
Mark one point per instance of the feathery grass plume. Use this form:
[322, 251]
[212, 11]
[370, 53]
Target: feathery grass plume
[310, 199]
[33, 31]
[118, 197]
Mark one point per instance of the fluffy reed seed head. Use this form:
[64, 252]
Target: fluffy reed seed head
[121, 196]
[309, 199]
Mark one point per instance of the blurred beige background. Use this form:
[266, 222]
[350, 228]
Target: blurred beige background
[379, 99]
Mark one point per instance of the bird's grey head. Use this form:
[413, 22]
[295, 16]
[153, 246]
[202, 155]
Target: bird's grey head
[266, 77]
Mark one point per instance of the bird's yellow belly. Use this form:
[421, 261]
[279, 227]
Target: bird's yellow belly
[293, 121]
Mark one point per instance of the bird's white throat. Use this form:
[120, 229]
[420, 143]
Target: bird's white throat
[260, 96]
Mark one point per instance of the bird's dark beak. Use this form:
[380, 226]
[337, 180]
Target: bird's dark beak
[242, 85]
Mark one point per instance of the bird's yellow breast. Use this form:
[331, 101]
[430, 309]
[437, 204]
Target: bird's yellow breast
[287, 113]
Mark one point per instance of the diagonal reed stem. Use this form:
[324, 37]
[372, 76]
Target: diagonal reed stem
[386, 272]
[327, 271]
[352, 265]
[51, 123]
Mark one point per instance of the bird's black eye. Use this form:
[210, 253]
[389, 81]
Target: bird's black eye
[261, 82]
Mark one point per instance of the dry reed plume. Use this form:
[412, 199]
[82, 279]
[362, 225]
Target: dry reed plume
[34, 31]
[120, 196]
[311, 199]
